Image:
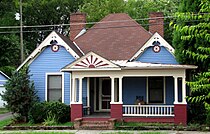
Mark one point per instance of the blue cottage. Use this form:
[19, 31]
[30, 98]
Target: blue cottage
[3, 79]
[116, 68]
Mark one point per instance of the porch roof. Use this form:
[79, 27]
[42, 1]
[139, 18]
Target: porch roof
[134, 65]
[124, 64]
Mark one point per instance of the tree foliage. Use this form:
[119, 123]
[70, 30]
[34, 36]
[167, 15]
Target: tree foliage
[194, 44]
[20, 94]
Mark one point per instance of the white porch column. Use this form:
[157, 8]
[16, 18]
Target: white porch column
[175, 89]
[73, 91]
[120, 89]
[112, 89]
[183, 91]
[80, 90]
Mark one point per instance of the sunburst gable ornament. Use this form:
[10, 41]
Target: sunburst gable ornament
[91, 62]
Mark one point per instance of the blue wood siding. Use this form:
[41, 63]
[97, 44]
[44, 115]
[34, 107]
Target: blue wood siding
[47, 62]
[3, 79]
[169, 90]
[67, 78]
[133, 87]
[137, 86]
[163, 57]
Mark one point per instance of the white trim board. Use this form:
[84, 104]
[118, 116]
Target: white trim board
[62, 81]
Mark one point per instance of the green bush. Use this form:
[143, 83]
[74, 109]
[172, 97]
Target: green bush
[20, 94]
[37, 113]
[60, 110]
[40, 112]
[208, 118]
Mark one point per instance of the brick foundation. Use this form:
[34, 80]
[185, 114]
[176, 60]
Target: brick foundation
[116, 111]
[76, 111]
[180, 112]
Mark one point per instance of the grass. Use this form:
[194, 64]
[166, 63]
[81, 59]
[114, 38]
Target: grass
[5, 122]
[3, 110]
[69, 124]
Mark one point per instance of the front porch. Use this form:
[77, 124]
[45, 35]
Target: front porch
[119, 101]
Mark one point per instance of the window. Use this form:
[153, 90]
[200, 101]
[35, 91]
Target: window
[54, 87]
[156, 90]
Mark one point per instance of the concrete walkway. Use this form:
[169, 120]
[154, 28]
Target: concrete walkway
[104, 131]
[4, 116]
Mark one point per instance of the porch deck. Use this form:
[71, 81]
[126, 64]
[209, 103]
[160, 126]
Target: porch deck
[98, 115]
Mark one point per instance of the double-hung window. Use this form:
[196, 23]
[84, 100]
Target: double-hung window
[54, 87]
[156, 89]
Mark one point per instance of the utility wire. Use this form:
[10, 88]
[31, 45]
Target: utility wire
[89, 23]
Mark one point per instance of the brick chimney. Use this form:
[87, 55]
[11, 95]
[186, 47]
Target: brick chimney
[156, 23]
[75, 27]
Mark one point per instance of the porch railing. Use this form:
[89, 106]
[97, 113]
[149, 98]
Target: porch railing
[148, 110]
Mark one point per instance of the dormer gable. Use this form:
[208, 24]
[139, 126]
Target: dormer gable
[54, 40]
[155, 50]
[91, 61]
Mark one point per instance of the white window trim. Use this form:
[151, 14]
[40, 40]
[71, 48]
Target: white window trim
[46, 83]
[164, 90]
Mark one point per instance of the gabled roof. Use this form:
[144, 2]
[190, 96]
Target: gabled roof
[62, 40]
[116, 37]
[91, 61]
[4, 75]
[155, 37]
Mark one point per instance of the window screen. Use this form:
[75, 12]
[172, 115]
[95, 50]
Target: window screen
[155, 89]
[54, 88]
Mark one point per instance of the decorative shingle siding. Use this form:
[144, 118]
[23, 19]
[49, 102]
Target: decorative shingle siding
[50, 62]
[163, 57]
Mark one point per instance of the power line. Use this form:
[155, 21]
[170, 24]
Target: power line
[90, 23]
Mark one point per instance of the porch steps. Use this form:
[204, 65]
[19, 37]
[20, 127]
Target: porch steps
[94, 124]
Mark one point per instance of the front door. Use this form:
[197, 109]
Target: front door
[105, 94]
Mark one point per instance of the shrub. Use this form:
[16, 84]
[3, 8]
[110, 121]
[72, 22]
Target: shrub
[60, 110]
[49, 112]
[208, 118]
[20, 94]
[37, 113]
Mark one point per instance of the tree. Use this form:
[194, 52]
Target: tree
[20, 94]
[45, 12]
[10, 50]
[194, 45]
[137, 9]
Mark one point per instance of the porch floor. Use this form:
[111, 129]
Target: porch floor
[98, 115]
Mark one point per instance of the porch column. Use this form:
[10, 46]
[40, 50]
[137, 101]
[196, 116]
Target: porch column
[116, 107]
[80, 90]
[112, 89]
[180, 108]
[183, 91]
[175, 90]
[76, 107]
[73, 91]
[120, 90]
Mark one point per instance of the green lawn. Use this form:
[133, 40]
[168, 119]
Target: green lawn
[5, 122]
[136, 124]
[132, 133]
[69, 124]
[3, 110]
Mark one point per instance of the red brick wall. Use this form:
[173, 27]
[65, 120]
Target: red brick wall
[75, 28]
[180, 111]
[116, 111]
[156, 24]
[76, 111]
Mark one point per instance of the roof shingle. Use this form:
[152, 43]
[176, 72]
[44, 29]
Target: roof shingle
[115, 37]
